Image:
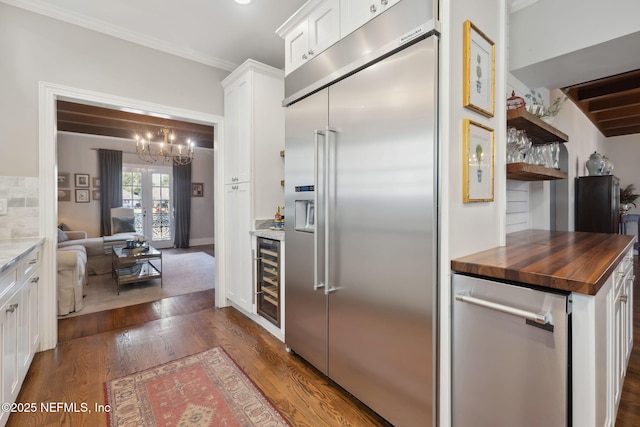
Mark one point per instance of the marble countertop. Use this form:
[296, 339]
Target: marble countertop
[270, 234]
[13, 250]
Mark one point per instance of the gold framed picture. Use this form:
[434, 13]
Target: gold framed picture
[478, 162]
[478, 70]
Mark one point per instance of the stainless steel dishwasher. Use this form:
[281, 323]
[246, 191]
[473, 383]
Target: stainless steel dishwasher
[511, 355]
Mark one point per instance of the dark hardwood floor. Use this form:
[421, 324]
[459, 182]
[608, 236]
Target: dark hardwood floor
[97, 347]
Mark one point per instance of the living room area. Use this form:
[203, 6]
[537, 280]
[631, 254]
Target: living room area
[87, 270]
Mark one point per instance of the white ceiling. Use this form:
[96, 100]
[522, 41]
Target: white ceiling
[220, 33]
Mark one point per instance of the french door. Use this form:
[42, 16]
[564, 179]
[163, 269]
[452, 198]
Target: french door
[148, 192]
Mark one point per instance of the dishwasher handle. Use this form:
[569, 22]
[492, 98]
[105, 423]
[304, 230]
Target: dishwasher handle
[535, 319]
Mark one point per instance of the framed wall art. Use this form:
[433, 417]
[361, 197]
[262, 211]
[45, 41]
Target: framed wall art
[64, 195]
[95, 194]
[95, 182]
[63, 180]
[82, 196]
[478, 70]
[197, 189]
[82, 180]
[478, 162]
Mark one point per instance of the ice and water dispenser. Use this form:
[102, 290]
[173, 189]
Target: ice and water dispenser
[304, 213]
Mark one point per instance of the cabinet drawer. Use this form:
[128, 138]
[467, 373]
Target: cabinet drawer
[8, 280]
[31, 262]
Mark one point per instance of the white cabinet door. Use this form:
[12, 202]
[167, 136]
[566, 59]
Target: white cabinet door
[9, 320]
[316, 33]
[355, 13]
[237, 255]
[629, 315]
[324, 27]
[238, 130]
[32, 318]
[297, 46]
[618, 340]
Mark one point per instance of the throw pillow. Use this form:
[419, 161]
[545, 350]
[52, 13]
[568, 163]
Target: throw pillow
[123, 224]
[62, 236]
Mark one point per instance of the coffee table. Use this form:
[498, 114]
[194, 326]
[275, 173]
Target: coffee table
[135, 265]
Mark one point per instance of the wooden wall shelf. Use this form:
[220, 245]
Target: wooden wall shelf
[528, 172]
[538, 130]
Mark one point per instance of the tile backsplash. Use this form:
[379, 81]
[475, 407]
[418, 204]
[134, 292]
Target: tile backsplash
[22, 196]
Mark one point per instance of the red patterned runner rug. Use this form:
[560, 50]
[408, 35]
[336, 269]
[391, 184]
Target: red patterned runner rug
[205, 389]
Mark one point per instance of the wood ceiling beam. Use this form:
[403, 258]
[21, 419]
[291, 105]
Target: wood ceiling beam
[622, 131]
[610, 86]
[620, 123]
[80, 118]
[612, 104]
[603, 116]
[615, 101]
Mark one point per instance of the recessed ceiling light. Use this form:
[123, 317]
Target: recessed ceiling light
[243, 1]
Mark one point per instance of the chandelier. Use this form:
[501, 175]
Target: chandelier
[166, 151]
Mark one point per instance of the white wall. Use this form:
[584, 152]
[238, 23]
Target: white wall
[466, 227]
[584, 139]
[553, 42]
[77, 154]
[35, 48]
[472, 227]
[624, 152]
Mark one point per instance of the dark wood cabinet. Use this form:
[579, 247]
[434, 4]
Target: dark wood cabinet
[598, 204]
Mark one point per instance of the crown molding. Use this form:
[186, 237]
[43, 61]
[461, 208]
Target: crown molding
[118, 32]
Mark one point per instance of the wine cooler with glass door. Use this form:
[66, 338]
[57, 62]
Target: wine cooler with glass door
[268, 279]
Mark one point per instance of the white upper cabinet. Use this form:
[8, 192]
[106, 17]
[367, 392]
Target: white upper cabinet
[355, 13]
[238, 135]
[316, 32]
[321, 23]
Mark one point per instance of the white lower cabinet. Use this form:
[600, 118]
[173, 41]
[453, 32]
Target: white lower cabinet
[602, 339]
[9, 313]
[238, 263]
[19, 324]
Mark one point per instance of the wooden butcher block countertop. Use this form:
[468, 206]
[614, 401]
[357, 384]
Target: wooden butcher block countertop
[570, 261]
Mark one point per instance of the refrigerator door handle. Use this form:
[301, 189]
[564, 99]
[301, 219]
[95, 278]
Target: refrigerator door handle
[328, 220]
[317, 283]
[539, 318]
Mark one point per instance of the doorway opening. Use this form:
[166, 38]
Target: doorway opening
[49, 94]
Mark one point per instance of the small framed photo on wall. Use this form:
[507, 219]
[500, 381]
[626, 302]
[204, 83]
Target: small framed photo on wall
[82, 196]
[82, 180]
[95, 182]
[64, 195]
[95, 194]
[63, 180]
[197, 189]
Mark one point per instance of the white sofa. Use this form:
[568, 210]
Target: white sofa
[79, 256]
[71, 278]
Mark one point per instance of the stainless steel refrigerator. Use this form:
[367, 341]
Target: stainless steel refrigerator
[361, 182]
